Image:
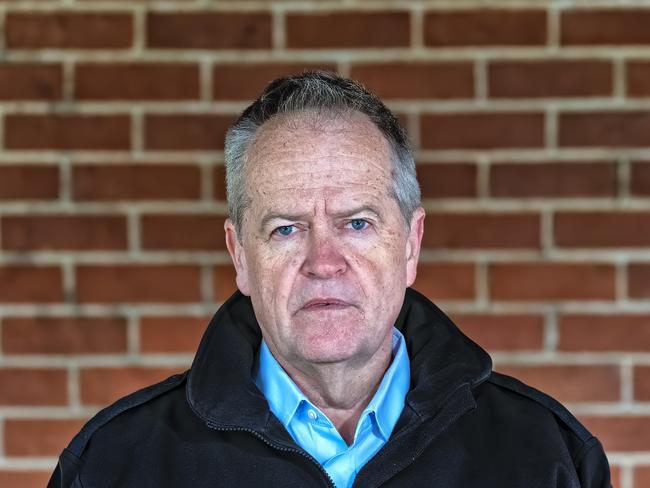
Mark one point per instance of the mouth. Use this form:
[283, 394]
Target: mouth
[318, 304]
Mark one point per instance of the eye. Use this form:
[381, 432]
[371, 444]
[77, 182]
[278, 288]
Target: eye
[358, 224]
[284, 230]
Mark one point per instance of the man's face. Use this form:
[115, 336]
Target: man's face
[325, 254]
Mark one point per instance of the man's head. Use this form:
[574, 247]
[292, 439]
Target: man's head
[325, 220]
[329, 95]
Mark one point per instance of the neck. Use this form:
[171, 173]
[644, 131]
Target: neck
[343, 390]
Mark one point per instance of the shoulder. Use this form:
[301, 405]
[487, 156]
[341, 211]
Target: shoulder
[546, 402]
[144, 399]
[527, 407]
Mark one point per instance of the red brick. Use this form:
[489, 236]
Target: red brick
[605, 129]
[181, 232]
[638, 78]
[348, 30]
[639, 280]
[456, 230]
[446, 281]
[224, 282]
[33, 386]
[482, 130]
[30, 81]
[641, 477]
[63, 335]
[219, 182]
[101, 386]
[570, 383]
[67, 132]
[138, 283]
[24, 478]
[69, 30]
[602, 229]
[136, 182]
[137, 81]
[171, 334]
[417, 80]
[29, 182]
[620, 433]
[552, 281]
[605, 27]
[503, 332]
[246, 81]
[447, 180]
[39, 437]
[209, 30]
[642, 383]
[604, 333]
[31, 284]
[554, 78]
[551, 179]
[186, 131]
[640, 179]
[516, 27]
[63, 232]
[615, 472]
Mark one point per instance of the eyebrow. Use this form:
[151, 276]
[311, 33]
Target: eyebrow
[346, 213]
[279, 216]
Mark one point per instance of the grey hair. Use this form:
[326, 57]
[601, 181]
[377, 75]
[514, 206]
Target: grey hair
[324, 93]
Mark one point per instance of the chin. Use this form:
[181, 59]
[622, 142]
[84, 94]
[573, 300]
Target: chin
[328, 346]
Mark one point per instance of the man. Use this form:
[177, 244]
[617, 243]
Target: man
[325, 369]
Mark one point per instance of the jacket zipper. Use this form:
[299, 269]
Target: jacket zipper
[328, 478]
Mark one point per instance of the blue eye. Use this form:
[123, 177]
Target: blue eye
[358, 224]
[284, 230]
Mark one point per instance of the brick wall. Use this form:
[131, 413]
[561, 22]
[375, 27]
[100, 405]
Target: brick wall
[531, 123]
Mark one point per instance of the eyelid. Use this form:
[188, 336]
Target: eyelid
[368, 222]
[274, 231]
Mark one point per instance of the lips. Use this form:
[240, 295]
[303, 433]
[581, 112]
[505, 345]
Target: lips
[325, 304]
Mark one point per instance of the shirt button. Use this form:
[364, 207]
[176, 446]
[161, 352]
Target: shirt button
[312, 415]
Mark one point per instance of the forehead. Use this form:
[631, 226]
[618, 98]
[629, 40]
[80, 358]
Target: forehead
[308, 154]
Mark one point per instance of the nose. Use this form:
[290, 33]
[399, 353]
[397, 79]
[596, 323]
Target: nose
[324, 258]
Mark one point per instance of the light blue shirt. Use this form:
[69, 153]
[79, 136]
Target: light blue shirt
[315, 433]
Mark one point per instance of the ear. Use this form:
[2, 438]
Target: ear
[238, 257]
[413, 245]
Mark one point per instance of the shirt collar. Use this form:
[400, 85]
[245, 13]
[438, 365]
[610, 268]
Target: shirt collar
[281, 392]
[284, 396]
[388, 402]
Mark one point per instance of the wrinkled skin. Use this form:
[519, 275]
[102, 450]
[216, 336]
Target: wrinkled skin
[325, 253]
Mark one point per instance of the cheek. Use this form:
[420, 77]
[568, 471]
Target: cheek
[379, 266]
[274, 275]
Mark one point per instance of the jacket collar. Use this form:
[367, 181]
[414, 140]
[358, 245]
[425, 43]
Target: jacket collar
[220, 384]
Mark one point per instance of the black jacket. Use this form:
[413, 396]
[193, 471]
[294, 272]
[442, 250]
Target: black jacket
[462, 426]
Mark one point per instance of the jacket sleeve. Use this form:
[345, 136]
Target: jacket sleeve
[592, 466]
[66, 473]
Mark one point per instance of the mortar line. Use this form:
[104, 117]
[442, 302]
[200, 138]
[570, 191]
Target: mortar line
[207, 176]
[417, 26]
[133, 334]
[624, 177]
[619, 78]
[481, 81]
[627, 381]
[74, 387]
[483, 170]
[66, 183]
[207, 286]
[482, 287]
[551, 331]
[278, 26]
[620, 283]
[205, 80]
[553, 27]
